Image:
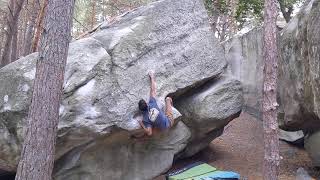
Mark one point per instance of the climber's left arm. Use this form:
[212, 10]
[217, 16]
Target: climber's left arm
[148, 130]
[153, 92]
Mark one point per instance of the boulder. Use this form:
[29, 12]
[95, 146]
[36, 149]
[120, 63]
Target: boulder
[106, 75]
[312, 145]
[299, 71]
[302, 174]
[244, 56]
[299, 74]
[209, 110]
[292, 137]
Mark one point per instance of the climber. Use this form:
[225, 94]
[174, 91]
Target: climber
[153, 117]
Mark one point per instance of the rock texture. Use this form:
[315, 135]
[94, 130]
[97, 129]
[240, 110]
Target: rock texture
[105, 77]
[244, 56]
[312, 145]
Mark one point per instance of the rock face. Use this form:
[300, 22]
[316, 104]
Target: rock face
[299, 74]
[299, 70]
[106, 75]
[312, 145]
[209, 110]
[244, 55]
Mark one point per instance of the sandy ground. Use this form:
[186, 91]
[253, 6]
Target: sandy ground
[240, 149]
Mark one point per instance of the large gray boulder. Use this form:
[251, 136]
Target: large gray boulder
[244, 55]
[299, 71]
[106, 75]
[209, 110]
[299, 75]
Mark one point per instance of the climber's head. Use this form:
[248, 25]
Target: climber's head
[143, 105]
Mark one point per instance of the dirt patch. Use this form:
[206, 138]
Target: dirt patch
[240, 149]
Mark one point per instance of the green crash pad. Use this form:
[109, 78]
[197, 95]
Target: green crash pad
[202, 171]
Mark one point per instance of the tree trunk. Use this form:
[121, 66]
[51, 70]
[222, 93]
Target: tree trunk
[93, 14]
[2, 34]
[5, 59]
[270, 124]
[14, 43]
[286, 14]
[215, 16]
[104, 10]
[17, 10]
[233, 22]
[10, 49]
[223, 21]
[34, 12]
[22, 31]
[39, 26]
[37, 155]
[1, 39]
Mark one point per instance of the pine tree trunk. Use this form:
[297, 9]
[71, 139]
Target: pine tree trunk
[22, 31]
[104, 10]
[286, 11]
[14, 44]
[35, 8]
[270, 124]
[223, 21]
[93, 14]
[1, 39]
[233, 22]
[15, 25]
[5, 58]
[10, 49]
[215, 16]
[37, 156]
[2, 34]
[39, 27]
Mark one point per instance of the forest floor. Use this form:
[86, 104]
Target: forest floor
[240, 149]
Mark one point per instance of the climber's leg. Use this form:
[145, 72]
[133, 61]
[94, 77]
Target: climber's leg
[169, 110]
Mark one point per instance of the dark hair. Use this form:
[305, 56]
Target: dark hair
[143, 105]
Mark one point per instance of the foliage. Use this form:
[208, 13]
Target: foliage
[249, 8]
[221, 6]
[245, 9]
[93, 12]
[254, 9]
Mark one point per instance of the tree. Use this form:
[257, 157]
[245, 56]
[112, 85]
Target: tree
[286, 9]
[93, 14]
[39, 28]
[33, 11]
[37, 156]
[222, 17]
[269, 113]
[2, 31]
[15, 24]
[13, 13]
[254, 8]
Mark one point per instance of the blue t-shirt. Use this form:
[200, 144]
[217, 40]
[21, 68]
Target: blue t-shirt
[154, 117]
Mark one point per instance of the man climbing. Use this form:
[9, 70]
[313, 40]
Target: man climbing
[153, 117]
